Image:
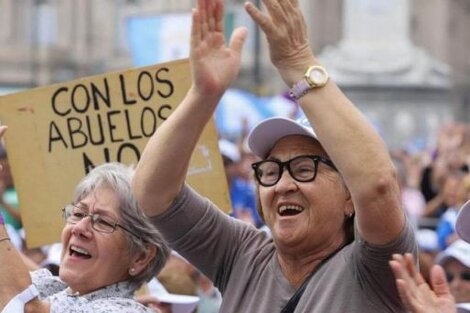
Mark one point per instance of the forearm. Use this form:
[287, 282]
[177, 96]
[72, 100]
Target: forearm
[162, 168]
[28, 262]
[14, 277]
[350, 141]
[360, 155]
[214, 65]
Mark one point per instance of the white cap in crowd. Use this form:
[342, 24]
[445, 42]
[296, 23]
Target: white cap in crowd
[459, 250]
[462, 226]
[463, 308]
[179, 303]
[427, 240]
[229, 150]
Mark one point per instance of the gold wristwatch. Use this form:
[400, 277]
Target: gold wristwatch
[316, 76]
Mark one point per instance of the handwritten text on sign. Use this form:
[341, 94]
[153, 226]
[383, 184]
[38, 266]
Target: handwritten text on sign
[58, 133]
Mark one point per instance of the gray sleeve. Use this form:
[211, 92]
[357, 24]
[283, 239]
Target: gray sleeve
[205, 236]
[372, 264]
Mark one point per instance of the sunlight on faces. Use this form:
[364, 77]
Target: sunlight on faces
[91, 259]
[322, 203]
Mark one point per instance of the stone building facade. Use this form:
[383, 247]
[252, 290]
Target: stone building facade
[47, 41]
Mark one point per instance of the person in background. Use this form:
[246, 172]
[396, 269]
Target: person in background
[436, 297]
[460, 185]
[428, 251]
[9, 202]
[447, 160]
[331, 199]
[455, 260]
[242, 188]
[209, 297]
[408, 169]
[109, 250]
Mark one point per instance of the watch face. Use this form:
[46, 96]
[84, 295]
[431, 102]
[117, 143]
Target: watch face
[317, 76]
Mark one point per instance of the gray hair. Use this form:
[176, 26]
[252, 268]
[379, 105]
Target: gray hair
[118, 177]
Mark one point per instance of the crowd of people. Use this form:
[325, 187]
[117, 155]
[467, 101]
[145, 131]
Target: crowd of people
[314, 228]
[435, 184]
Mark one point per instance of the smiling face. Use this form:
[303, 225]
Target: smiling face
[305, 217]
[90, 259]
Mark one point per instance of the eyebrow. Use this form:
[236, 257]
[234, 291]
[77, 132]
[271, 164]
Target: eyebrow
[102, 212]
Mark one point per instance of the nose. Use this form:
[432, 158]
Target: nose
[286, 183]
[83, 228]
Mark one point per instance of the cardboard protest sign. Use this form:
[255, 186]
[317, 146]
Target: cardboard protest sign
[57, 134]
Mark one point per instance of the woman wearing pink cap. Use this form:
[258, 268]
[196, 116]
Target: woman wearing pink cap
[330, 199]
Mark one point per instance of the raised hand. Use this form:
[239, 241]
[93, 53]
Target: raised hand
[286, 32]
[214, 64]
[415, 293]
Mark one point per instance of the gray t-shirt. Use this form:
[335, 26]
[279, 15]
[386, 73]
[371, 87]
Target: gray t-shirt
[116, 298]
[242, 263]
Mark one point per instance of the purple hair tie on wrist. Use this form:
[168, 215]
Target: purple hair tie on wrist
[2, 221]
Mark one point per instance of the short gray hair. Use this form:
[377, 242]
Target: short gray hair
[118, 177]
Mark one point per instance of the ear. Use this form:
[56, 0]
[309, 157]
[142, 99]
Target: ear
[140, 261]
[348, 207]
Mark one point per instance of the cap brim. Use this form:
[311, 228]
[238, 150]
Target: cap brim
[463, 308]
[177, 299]
[264, 135]
[462, 226]
[459, 250]
[180, 303]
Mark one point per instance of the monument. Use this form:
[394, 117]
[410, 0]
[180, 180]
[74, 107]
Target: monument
[401, 88]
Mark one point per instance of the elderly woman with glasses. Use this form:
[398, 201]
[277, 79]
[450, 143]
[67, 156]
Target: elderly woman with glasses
[313, 188]
[109, 250]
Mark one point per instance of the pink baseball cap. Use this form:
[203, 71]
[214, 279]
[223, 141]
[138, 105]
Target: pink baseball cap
[266, 133]
[462, 226]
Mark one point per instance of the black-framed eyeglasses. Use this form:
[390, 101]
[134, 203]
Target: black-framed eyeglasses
[463, 276]
[302, 168]
[73, 214]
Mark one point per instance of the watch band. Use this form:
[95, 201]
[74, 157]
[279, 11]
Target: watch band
[299, 89]
[315, 77]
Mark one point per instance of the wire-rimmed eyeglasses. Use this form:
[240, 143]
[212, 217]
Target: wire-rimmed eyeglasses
[73, 214]
[302, 168]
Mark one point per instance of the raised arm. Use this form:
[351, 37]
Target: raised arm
[345, 134]
[14, 276]
[162, 168]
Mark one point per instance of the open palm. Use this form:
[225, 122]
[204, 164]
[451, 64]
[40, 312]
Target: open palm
[415, 293]
[214, 64]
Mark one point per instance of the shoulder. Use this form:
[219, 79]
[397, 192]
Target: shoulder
[118, 304]
[46, 283]
[62, 303]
